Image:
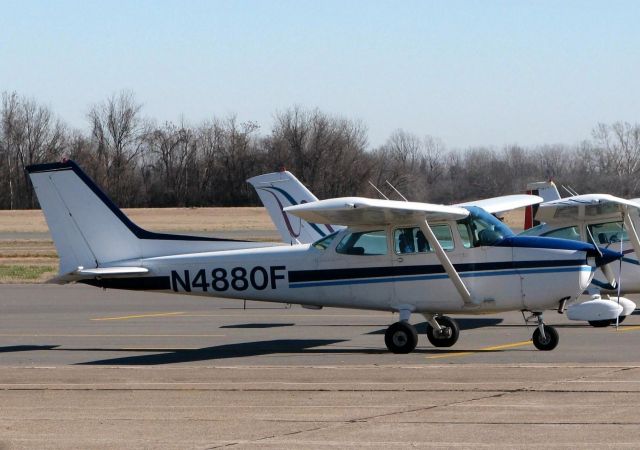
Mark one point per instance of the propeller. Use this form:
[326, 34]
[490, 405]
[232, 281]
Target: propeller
[605, 268]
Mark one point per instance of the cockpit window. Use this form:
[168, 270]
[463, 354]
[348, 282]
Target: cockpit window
[481, 228]
[608, 233]
[325, 242]
[412, 240]
[364, 243]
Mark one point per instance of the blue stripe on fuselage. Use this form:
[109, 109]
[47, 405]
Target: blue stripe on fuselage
[395, 279]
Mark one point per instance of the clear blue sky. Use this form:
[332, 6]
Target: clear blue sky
[468, 72]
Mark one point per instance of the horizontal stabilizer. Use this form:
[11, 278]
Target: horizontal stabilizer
[111, 272]
[98, 272]
[355, 211]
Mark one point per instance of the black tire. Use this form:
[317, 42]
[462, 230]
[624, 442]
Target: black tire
[620, 319]
[451, 332]
[601, 323]
[551, 338]
[401, 337]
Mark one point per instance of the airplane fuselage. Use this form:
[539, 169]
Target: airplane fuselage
[500, 278]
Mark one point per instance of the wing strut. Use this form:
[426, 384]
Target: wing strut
[631, 232]
[454, 276]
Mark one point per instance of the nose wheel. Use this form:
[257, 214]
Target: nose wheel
[544, 337]
[401, 337]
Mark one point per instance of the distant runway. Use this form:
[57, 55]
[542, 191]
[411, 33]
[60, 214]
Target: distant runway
[83, 367]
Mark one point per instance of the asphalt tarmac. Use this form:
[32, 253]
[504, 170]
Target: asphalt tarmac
[85, 368]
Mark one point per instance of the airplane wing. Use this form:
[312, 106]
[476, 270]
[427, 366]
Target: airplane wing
[581, 207]
[355, 211]
[497, 205]
[358, 211]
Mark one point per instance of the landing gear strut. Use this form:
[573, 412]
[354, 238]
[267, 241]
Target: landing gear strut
[544, 337]
[442, 331]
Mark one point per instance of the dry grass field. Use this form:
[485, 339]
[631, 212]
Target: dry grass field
[28, 259]
[157, 219]
[25, 259]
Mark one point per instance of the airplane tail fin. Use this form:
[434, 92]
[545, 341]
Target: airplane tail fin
[278, 190]
[545, 189]
[89, 231]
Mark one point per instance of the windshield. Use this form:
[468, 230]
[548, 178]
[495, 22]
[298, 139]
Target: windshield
[534, 231]
[481, 228]
[325, 242]
[363, 243]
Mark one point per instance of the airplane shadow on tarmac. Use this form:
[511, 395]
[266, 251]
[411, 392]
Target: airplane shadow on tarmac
[26, 348]
[258, 325]
[248, 349]
[259, 348]
[464, 324]
[240, 350]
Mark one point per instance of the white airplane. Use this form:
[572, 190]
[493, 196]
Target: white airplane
[463, 260]
[279, 190]
[605, 220]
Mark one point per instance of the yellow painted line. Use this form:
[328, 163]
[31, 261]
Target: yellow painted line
[484, 349]
[632, 328]
[449, 355]
[140, 316]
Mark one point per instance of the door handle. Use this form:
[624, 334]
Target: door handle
[399, 259]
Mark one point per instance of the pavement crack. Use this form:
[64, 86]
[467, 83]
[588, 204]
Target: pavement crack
[428, 408]
[369, 418]
[279, 435]
[610, 372]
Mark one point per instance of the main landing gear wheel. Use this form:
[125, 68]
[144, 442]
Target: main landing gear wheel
[401, 337]
[549, 341]
[447, 335]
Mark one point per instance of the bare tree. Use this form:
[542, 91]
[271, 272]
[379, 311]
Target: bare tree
[118, 134]
[30, 135]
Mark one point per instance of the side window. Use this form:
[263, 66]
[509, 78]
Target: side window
[412, 240]
[608, 233]
[571, 233]
[465, 234]
[364, 243]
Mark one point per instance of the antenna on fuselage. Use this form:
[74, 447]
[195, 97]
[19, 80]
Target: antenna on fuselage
[379, 191]
[397, 191]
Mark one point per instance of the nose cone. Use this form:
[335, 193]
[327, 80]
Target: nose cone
[607, 257]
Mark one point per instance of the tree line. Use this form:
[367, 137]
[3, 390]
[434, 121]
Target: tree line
[141, 163]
